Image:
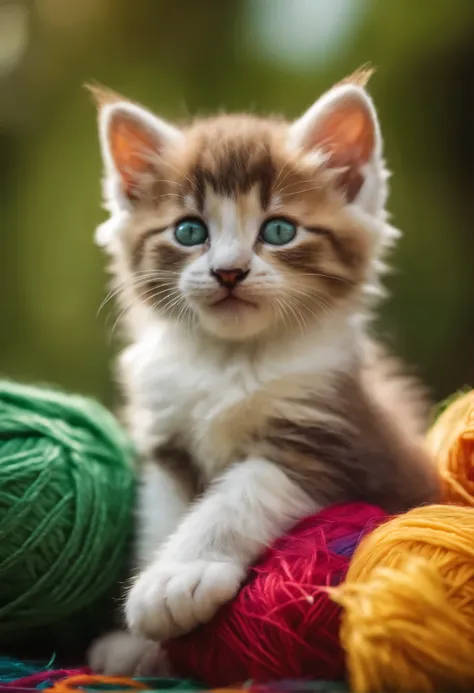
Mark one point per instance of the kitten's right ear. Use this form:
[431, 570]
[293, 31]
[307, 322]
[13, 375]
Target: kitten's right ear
[343, 129]
[132, 140]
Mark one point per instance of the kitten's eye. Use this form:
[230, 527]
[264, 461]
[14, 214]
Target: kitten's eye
[191, 232]
[278, 231]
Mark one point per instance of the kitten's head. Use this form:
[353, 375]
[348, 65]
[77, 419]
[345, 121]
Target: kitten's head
[244, 225]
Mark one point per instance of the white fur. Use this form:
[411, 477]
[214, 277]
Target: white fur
[161, 503]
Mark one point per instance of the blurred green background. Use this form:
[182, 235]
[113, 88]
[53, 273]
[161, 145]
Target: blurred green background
[183, 57]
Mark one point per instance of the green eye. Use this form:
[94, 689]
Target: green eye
[278, 231]
[191, 232]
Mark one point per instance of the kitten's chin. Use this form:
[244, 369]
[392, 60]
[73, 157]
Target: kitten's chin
[234, 320]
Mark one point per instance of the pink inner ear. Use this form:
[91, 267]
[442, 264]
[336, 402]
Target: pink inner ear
[346, 133]
[132, 147]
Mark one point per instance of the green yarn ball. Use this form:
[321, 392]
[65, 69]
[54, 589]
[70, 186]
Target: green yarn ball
[66, 496]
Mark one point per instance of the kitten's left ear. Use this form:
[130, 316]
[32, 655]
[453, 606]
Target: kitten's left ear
[343, 126]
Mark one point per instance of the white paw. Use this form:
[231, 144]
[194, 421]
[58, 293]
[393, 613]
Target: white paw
[122, 654]
[170, 599]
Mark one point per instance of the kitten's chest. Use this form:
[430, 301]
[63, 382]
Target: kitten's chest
[213, 409]
[215, 406]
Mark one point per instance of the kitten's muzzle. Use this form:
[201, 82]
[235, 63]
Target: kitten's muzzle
[229, 278]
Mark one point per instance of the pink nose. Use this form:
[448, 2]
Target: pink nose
[229, 277]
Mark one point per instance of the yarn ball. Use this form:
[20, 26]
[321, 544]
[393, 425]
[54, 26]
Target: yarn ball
[451, 441]
[408, 620]
[282, 624]
[66, 495]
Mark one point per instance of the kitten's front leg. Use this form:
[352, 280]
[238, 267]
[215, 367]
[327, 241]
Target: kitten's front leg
[204, 562]
[162, 501]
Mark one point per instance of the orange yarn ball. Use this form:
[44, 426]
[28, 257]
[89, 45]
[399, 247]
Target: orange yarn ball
[408, 619]
[451, 441]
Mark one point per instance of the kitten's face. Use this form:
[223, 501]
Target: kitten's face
[234, 224]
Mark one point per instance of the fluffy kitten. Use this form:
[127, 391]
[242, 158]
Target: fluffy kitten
[247, 253]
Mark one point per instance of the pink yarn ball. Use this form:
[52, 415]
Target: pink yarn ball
[282, 624]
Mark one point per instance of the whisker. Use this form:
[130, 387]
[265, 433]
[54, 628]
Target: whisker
[182, 311]
[136, 299]
[190, 318]
[289, 307]
[168, 306]
[187, 178]
[137, 279]
[155, 271]
[133, 286]
[283, 312]
[307, 308]
[162, 195]
[280, 179]
[305, 181]
[119, 317]
[297, 314]
[122, 312]
[313, 188]
[117, 290]
[319, 274]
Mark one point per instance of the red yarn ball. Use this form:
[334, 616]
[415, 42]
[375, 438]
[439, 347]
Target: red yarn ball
[282, 624]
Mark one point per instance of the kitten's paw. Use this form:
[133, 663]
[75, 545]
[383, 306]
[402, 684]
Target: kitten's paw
[170, 599]
[122, 654]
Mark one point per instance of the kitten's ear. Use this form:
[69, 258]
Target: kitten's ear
[132, 140]
[343, 127]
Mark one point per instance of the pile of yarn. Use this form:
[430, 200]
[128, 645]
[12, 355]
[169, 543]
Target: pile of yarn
[408, 621]
[389, 601]
[406, 589]
[66, 496]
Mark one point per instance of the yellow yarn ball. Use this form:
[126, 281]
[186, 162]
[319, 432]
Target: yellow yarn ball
[451, 441]
[408, 604]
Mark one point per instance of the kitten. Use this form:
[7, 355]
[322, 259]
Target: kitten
[247, 253]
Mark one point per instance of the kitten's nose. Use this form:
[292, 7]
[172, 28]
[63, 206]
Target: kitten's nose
[229, 277]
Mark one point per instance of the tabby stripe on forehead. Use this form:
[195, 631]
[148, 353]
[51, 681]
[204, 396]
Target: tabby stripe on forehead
[140, 244]
[234, 175]
[199, 188]
[266, 183]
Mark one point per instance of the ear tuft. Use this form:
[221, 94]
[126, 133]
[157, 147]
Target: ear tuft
[360, 77]
[101, 96]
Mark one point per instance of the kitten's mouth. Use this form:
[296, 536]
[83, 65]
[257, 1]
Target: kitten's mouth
[232, 302]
